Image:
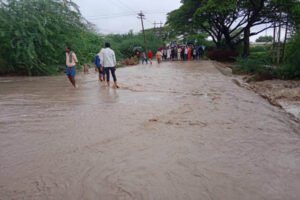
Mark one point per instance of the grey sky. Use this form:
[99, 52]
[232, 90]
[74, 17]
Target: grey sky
[120, 16]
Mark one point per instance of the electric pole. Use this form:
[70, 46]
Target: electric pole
[154, 26]
[155, 30]
[160, 29]
[142, 17]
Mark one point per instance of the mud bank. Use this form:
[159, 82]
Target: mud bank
[283, 93]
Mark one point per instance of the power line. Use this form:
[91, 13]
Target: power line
[158, 30]
[131, 9]
[118, 4]
[125, 5]
[95, 17]
[110, 16]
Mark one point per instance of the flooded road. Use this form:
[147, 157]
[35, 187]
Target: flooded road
[175, 131]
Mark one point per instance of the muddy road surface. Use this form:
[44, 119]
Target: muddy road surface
[174, 131]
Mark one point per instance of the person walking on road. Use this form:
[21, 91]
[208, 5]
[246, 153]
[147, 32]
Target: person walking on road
[108, 61]
[144, 58]
[179, 53]
[150, 56]
[71, 61]
[158, 56]
[189, 53]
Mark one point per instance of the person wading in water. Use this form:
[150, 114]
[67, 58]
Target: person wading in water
[71, 60]
[108, 61]
[100, 68]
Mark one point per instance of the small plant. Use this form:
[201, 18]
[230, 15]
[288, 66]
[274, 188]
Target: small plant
[222, 54]
[254, 67]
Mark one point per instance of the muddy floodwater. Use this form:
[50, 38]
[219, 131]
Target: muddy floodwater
[175, 131]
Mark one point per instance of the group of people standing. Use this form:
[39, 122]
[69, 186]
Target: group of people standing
[175, 53]
[105, 62]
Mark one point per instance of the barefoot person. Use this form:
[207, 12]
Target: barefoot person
[99, 68]
[71, 60]
[108, 61]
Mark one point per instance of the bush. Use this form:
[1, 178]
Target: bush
[291, 67]
[33, 42]
[249, 66]
[288, 72]
[222, 54]
[262, 57]
[254, 67]
[259, 49]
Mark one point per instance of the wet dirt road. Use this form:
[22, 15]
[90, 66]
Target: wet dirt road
[175, 131]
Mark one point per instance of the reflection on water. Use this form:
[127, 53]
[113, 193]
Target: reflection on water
[174, 131]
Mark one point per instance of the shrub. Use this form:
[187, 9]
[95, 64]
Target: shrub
[259, 49]
[250, 66]
[254, 67]
[222, 54]
[288, 72]
[262, 57]
[291, 67]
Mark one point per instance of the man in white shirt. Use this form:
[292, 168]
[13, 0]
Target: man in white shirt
[71, 60]
[108, 61]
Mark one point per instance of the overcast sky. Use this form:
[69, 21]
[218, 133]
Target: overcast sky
[120, 16]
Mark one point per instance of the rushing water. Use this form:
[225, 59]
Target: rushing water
[172, 131]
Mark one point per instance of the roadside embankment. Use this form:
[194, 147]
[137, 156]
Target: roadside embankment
[281, 93]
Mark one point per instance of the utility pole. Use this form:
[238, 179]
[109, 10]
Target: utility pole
[156, 29]
[154, 26]
[142, 17]
[160, 28]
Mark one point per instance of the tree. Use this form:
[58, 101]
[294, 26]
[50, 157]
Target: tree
[34, 33]
[123, 44]
[264, 39]
[229, 20]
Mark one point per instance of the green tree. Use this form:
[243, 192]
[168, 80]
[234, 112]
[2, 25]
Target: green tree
[34, 33]
[123, 44]
[291, 65]
[264, 39]
[229, 20]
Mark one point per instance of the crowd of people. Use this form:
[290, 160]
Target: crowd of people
[105, 60]
[174, 53]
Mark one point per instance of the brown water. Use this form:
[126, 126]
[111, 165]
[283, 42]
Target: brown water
[174, 131]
